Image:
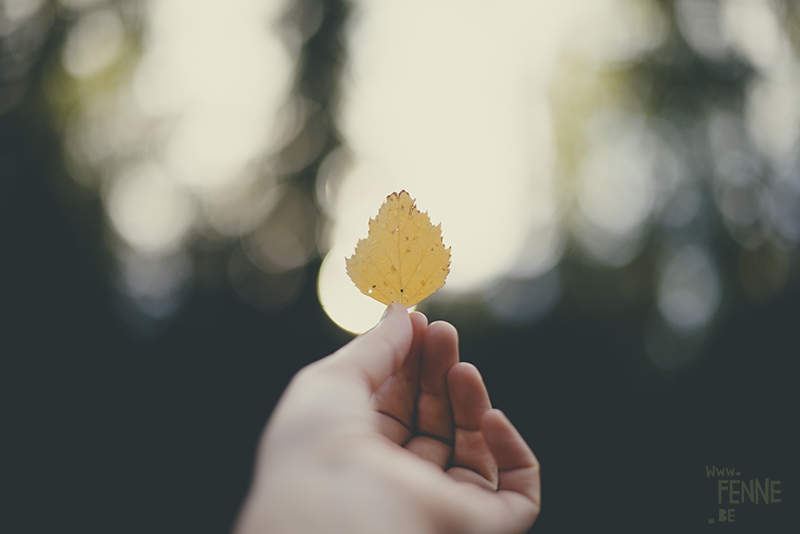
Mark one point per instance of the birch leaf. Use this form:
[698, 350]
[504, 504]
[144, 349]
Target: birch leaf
[403, 258]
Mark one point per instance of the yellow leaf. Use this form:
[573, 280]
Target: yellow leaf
[403, 258]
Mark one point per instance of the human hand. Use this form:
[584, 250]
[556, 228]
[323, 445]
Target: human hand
[391, 434]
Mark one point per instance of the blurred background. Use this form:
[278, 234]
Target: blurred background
[180, 182]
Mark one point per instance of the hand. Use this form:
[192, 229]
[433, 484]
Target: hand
[391, 434]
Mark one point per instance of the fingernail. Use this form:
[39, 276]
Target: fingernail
[386, 312]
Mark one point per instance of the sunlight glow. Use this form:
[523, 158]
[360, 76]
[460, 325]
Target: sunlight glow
[457, 116]
[340, 299]
[460, 117]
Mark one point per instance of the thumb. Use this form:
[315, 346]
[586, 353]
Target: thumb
[378, 353]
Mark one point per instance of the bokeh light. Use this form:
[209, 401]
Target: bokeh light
[467, 125]
[540, 139]
[174, 109]
[551, 141]
[148, 210]
[689, 290]
[94, 43]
